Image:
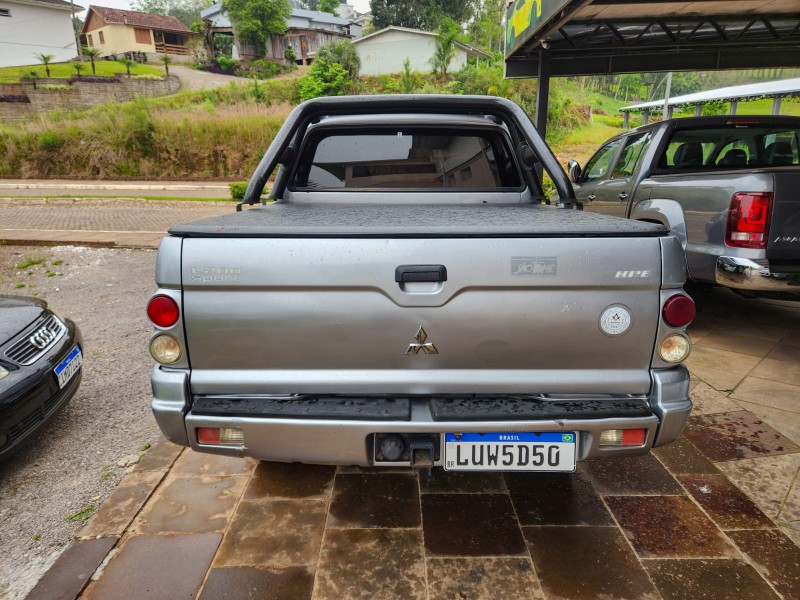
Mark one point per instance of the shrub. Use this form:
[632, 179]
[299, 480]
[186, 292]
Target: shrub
[324, 79]
[238, 190]
[148, 77]
[50, 141]
[226, 63]
[342, 53]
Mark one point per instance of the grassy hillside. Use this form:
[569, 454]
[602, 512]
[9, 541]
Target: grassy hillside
[65, 70]
[223, 133]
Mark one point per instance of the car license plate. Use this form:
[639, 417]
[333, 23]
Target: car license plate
[544, 451]
[69, 366]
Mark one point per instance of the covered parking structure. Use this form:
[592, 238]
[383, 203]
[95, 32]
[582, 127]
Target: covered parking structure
[777, 90]
[552, 38]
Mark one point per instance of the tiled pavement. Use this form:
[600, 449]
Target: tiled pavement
[714, 515]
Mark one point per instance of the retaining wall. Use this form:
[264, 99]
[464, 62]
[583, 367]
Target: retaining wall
[22, 100]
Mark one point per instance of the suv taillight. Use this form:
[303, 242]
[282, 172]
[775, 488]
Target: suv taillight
[748, 220]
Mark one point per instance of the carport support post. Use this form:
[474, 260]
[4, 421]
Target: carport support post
[776, 106]
[626, 120]
[542, 97]
[732, 111]
[698, 110]
[645, 116]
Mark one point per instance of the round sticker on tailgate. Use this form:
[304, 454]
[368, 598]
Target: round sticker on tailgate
[616, 319]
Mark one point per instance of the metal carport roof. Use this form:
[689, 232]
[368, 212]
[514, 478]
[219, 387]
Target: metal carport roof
[551, 38]
[585, 37]
[787, 88]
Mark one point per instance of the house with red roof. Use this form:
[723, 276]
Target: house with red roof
[116, 32]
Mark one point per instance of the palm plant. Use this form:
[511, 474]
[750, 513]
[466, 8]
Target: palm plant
[45, 60]
[92, 54]
[33, 75]
[165, 58]
[128, 64]
[78, 66]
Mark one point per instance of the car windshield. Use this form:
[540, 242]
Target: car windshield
[406, 158]
[740, 145]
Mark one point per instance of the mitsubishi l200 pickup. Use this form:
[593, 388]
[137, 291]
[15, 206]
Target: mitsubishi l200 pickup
[727, 187]
[408, 297]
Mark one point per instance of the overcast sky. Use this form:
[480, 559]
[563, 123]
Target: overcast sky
[360, 5]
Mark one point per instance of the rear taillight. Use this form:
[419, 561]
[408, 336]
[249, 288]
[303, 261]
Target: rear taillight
[162, 311]
[678, 311]
[748, 220]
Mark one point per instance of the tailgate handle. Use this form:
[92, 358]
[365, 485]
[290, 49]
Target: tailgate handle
[406, 273]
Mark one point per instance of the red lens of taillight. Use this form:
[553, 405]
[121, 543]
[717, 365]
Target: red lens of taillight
[208, 435]
[748, 220]
[678, 311]
[163, 311]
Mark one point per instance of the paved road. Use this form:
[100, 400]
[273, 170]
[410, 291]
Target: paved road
[110, 222]
[192, 79]
[144, 189]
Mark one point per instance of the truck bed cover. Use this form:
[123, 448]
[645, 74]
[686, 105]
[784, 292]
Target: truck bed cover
[418, 220]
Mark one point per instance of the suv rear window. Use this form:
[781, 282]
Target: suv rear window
[740, 146]
[406, 158]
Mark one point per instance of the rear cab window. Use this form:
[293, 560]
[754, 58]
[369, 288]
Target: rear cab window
[406, 158]
[740, 145]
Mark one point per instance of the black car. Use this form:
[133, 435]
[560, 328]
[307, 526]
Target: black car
[40, 368]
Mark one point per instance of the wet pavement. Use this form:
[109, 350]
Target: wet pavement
[714, 515]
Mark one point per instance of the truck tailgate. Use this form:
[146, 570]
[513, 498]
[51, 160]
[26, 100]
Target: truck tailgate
[281, 315]
[783, 248]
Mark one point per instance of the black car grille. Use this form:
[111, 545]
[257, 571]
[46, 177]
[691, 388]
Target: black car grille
[28, 350]
[21, 429]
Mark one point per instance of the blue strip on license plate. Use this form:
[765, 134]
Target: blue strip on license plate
[65, 363]
[541, 437]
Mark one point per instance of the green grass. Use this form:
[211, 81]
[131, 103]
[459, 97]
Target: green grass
[65, 70]
[83, 514]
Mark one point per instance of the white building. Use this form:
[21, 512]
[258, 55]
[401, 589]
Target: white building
[31, 27]
[384, 51]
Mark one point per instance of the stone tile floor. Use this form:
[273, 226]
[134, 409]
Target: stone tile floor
[714, 515]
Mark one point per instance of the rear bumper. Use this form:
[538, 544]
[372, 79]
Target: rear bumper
[754, 276]
[348, 439]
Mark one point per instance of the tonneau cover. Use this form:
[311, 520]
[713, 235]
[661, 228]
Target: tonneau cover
[417, 220]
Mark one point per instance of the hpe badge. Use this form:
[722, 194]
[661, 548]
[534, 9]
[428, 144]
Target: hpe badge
[616, 320]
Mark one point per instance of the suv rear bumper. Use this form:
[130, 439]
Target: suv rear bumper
[749, 275]
[347, 439]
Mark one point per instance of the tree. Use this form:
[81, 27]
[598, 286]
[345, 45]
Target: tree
[45, 60]
[409, 82]
[445, 47]
[255, 20]
[92, 54]
[486, 29]
[79, 67]
[420, 14]
[128, 64]
[329, 6]
[186, 11]
[165, 58]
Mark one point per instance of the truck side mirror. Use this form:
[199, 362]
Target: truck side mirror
[574, 171]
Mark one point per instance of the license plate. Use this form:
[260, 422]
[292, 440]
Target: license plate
[544, 451]
[67, 368]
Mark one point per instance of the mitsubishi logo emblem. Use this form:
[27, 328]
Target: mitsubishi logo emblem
[421, 345]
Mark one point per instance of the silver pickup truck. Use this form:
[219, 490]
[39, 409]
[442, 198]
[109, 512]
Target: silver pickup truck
[727, 187]
[409, 298]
